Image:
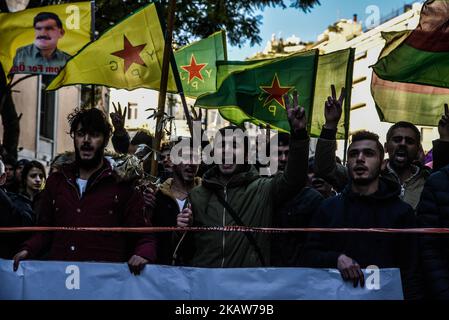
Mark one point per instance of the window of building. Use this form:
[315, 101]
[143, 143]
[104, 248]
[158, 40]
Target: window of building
[47, 111]
[132, 111]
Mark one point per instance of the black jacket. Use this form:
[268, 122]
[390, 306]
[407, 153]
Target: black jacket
[287, 248]
[433, 212]
[165, 213]
[16, 210]
[383, 209]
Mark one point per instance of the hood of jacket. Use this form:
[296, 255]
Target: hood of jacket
[246, 175]
[125, 167]
[165, 187]
[388, 189]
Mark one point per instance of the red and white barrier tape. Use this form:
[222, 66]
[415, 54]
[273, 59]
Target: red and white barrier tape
[225, 229]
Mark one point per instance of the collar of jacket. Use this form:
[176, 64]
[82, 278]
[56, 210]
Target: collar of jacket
[244, 177]
[419, 172]
[388, 189]
[165, 187]
[71, 172]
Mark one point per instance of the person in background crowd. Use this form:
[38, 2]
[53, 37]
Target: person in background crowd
[12, 214]
[433, 212]
[165, 164]
[120, 138]
[89, 193]
[440, 150]
[170, 206]
[18, 170]
[33, 179]
[368, 201]
[318, 183]
[11, 184]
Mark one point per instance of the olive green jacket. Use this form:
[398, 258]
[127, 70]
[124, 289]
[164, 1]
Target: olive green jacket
[253, 198]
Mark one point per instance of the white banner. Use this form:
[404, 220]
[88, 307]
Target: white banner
[42, 280]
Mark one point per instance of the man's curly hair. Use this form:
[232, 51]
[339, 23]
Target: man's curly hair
[92, 120]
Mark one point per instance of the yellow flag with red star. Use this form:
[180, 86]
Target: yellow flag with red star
[127, 56]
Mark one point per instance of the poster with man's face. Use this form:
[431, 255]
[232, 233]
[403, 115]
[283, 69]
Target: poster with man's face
[41, 40]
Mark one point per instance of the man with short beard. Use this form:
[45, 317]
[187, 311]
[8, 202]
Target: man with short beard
[89, 193]
[233, 193]
[171, 206]
[368, 201]
[403, 146]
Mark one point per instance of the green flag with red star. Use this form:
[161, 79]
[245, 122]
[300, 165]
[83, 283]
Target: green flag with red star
[258, 92]
[196, 64]
[127, 56]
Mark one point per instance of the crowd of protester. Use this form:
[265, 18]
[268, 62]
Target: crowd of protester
[90, 187]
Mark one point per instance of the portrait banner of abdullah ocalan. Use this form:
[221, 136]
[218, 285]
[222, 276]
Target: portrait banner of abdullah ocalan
[41, 40]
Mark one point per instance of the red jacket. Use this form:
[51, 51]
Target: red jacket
[107, 202]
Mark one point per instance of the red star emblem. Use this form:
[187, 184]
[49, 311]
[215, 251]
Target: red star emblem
[275, 92]
[130, 54]
[194, 69]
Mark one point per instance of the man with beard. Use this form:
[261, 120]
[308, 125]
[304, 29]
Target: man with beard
[368, 201]
[233, 193]
[403, 146]
[170, 205]
[89, 193]
[42, 56]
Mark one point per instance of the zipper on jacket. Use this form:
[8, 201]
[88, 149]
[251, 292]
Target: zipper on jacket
[224, 224]
[406, 182]
[69, 180]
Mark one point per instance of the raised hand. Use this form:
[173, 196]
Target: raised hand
[296, 114]
[443, 124]
[333, 108]
[118, 117]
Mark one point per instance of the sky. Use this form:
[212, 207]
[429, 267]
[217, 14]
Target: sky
[307, 26]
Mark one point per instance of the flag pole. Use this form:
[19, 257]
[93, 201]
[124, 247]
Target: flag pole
[92, 37]
[347, 106]
[163, 87]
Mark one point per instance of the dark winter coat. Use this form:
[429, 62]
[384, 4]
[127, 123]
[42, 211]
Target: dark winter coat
[287, 248]
[165, 213]
[383, 209]
[16, 210]
[433, 212]
[107, 202]
[253, 198]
